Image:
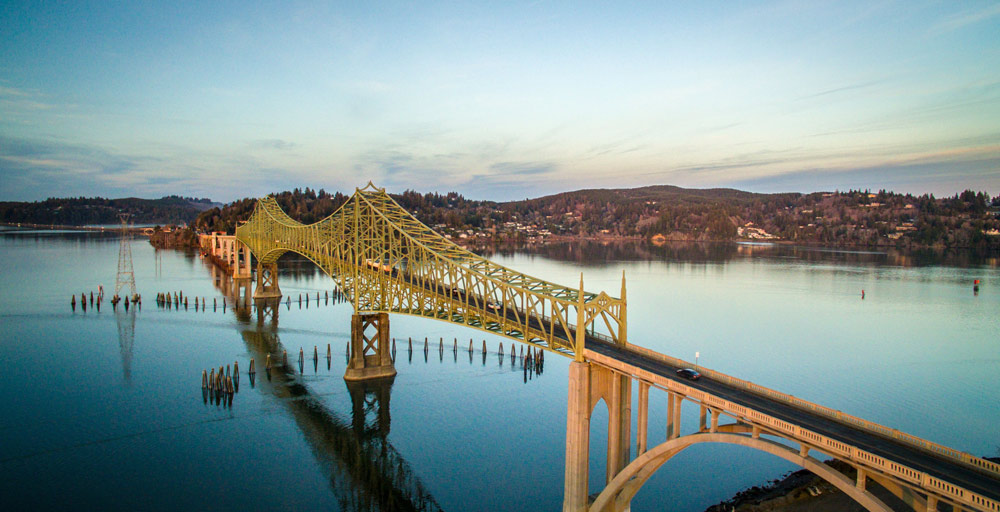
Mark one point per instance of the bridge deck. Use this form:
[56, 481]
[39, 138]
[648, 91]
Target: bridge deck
[945, 469]
[914, 457]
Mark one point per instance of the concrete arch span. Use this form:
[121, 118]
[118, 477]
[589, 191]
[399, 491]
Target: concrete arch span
[618, 494]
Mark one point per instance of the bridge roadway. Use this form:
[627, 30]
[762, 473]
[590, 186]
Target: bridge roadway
[921, 460]
[945, 469]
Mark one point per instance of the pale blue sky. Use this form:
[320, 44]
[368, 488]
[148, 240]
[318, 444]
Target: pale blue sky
[497, 101]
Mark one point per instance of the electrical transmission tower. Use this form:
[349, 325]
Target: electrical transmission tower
[126, 277]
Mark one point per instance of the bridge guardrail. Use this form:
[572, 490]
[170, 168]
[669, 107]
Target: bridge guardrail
[829, 445]
[967, 458]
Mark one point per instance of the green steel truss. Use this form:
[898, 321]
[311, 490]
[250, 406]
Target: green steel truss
[386, 260]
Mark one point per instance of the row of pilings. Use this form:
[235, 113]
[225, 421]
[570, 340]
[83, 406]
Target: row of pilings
[219, 386]
[95, 300]
[177, 300]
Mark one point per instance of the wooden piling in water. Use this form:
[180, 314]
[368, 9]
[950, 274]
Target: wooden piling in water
[301, 355]
[267, 363]
[211, 379]
[284, 357]
[315, 351]
[204, 379]
[484, 346]
[410, 341]
[252, 369]
[470, 346]
[328, 356]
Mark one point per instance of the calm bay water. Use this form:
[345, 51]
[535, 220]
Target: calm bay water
[105, 410]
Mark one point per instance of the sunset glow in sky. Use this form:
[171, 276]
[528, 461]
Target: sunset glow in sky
[499, 100]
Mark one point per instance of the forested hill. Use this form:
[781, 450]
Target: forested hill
[969, 219]
[80, 211]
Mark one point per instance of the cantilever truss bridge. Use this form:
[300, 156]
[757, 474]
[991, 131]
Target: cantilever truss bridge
[386, 260]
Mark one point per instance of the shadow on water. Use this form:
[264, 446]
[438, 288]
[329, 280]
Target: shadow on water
[366, 473]
[126, 336]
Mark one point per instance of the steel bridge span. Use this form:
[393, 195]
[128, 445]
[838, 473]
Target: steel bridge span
[386, 261]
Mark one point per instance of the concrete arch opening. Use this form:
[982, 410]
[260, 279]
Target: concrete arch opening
[619, 492]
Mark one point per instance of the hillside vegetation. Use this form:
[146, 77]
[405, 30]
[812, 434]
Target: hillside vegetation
[81, 211]
[659, 213]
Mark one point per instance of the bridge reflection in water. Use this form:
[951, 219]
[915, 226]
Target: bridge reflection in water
[366, 473]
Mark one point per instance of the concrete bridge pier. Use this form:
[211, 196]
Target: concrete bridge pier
[242, 268]
[370, 354]
[588, 385]
[267, 282]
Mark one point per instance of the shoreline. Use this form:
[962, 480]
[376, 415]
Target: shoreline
[599, 238]
[66, 227]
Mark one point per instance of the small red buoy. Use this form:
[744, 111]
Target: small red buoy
[862, 294]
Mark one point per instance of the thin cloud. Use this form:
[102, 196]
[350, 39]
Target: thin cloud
[275, 144]
[970, 17]
[837, 90]
[520, 169]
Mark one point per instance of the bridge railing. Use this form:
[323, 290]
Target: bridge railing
[789, 430]
[951, 453]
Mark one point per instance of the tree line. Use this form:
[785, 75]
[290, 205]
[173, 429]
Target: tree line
[853, 217]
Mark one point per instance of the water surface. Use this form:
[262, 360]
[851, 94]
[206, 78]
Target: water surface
[105, 410]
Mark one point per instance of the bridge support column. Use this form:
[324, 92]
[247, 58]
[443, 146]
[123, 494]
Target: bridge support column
[242, 268]
[619, 424]
[642, 430]
[588, 384]
[673, 415]
[267, 282]
[577, 438]
[371, 356]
